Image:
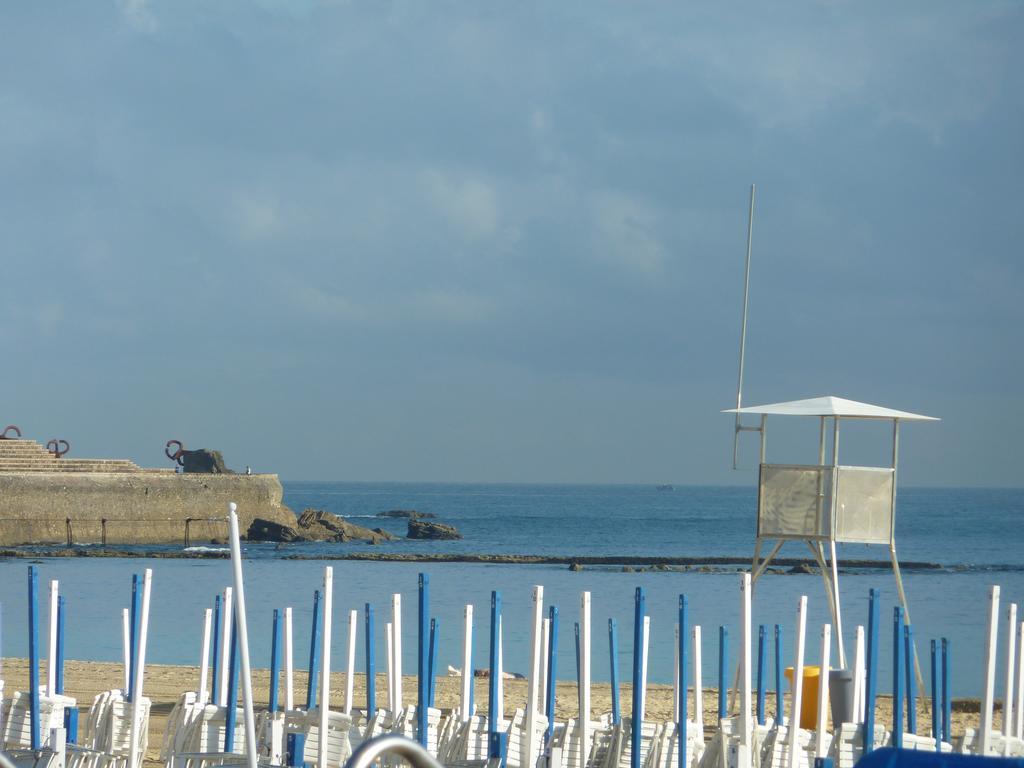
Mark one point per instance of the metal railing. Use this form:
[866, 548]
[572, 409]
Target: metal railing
[69, 525]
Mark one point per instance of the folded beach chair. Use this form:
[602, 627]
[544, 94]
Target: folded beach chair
[202, 742]
[848, 744]
[338, 749]
[16, 733]
[106, 739]
[620, 755]
[668, 747]
[999, 745]
[774, 753]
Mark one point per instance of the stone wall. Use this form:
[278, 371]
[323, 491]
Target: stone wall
[138, 507]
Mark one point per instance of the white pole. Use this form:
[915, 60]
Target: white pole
[798, 682]
[204, 660]
[839, 609]
[584, 692]
[390, 636]
[51, 663]
[225, 649]
[499, 716]
[467, 664]
[743, 333]
[1011, 658]
[243, 640]
[859, 684]
[528, 741]
[675, 678]
[134, 758]
[987, 700]
[698, 684]
[126, 632]
[325, 668]
[746, 721]
[643, 667]
[353, 623]
[289, 664]
[1020, 683]
[544, 667]
[822, 729]
[396, 630]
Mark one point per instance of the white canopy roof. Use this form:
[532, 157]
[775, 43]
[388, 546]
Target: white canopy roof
[831, 406]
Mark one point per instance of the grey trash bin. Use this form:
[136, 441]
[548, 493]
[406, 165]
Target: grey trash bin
[840, 696]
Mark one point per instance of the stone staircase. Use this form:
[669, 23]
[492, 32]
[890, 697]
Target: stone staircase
[20, 455]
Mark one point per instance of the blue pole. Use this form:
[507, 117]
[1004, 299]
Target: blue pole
[639, 610]
[423, 660]
[897, 677]
[613, 658]
[936, 715]
[371, 671]
[723, 662]
[133, 635]
[59, 682]
[215, 666]
[232, 711]
[911, 678]
[275, 659]
[553, 669]
[871, 689]
[33, 654]
[780, 713]
[314, 654]
[762, 651]
[496, 735]
[682, 727]
[947, 697]
[435, 628]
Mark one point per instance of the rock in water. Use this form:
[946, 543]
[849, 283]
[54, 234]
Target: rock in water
[421, 529]
[412, 514]
[318, 525]
[204, 461]
[268, 530]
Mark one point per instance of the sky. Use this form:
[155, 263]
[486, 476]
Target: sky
[504, 242]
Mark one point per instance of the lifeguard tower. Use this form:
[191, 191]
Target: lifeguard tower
[826, 503]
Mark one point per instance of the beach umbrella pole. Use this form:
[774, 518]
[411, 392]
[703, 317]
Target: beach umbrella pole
[314, 653]
[33, 657]
[988, 695]
[871, 683]
[204, 658]
[466, 701]
[798, 682]
[243, 640]
[396, 647]
[683, 721]
[289, 662]
[371, 670]
[897, 677]
[496, 737]
[552, 682]
[821, 730]
[746, 629]
[423, 660]
[325, 668]
[698, 683]
[138, 673]
[584, 675]
[1011, 659]
[639, 611]
[350, 667]
[613, 653]
[534, 690]
[762, 650]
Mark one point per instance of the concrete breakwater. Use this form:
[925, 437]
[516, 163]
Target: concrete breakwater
[132, 507]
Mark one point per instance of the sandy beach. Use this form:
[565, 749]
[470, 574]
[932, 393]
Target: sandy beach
[165, 683]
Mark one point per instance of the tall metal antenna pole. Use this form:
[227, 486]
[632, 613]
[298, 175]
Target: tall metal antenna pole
[743, 330]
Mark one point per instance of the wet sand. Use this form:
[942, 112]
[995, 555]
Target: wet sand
[164, 684]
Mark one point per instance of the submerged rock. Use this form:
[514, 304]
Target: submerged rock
[411, 514]
[420, 529]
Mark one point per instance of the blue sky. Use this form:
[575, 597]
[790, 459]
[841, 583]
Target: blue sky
[504, 242]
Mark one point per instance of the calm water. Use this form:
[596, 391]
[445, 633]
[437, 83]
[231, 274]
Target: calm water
[975, 532]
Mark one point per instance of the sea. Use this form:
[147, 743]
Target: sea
[975, 534]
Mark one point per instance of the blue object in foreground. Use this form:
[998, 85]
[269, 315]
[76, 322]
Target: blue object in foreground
[888, 757]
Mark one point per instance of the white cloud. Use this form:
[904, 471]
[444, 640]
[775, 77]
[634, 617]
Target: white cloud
[324, 305]
[625, 232]
[138, 14]
[454, 305]
[256, 216]
[469, 204]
